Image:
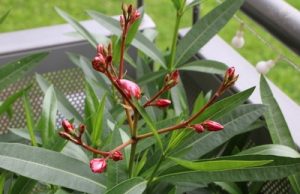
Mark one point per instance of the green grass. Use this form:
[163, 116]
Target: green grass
[33, 13]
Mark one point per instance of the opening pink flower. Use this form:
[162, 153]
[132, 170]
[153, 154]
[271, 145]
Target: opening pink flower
[98, 165]
[130, 88]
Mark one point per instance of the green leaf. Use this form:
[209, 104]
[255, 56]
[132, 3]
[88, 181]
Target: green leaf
[6, 105]
[149, 123]
[47, 122]
[272, 149]
[235, 123]
[3, 17]
[64, 106]
[98, 122]
[205, 29]
[50, 167]
[29, 119]
[219, 165]
[140, 41]
[2, 181]
[23, 133]
[225, 105]
[23, 185]
[77, 26]
[91, 103]
[134, 185]
[279, 168]
[11, 72]
[151, 77]
[206, 66]
[277, 126]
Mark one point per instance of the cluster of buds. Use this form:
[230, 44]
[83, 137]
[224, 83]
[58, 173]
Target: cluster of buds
[103, 58]
[71, 133]
[171, 79]
[97, 165]
[229, 78]
[208, 125]
[130, 15]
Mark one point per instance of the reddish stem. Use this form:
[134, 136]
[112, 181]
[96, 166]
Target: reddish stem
[160, 92]
[123, 44]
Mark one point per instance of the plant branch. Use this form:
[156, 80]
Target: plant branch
[123, 45]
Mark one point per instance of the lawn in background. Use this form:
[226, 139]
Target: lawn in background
[33, 13]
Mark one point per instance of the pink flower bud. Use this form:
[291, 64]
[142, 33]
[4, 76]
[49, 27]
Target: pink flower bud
[68, 127]
[212, 125]
[117, 156]
[130, 88]
[81, 128]
[198, 128]
[230, 72]
[98, 165]
[99, 63]
[162, 102]
[230, 77]
[175, 76]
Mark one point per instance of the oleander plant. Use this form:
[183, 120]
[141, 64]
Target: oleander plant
[139, 133]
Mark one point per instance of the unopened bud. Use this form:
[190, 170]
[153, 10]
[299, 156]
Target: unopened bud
[99, 63]
[162, 103]
[198, 128]
[129, 9]
[130, 88]
[212, 125]
[230, 77]
[117, 155]
[98, 165]
[68, 127]
[173, 78]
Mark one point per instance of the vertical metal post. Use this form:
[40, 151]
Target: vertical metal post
[196, 13]
[140, 3]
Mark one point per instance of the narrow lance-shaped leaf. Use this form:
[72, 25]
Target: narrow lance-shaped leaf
[236, 123]
[77, 26]
[140, 41]
[11, 72]
[219, 164]
[50, 167]
[279, 168]
[205, 29]
[29, 119]
[205, 66]
[97, 122]
[134, 185]
[277, 125]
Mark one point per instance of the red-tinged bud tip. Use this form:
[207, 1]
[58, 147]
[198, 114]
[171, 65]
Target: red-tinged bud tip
[230, 72]
[175, 76]
[100, 49]
[117, 155]
[162, 102]
[212, 125]
[198, 128]
[68, 127]
[130, 88]
[98, 165]
[81, 128]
